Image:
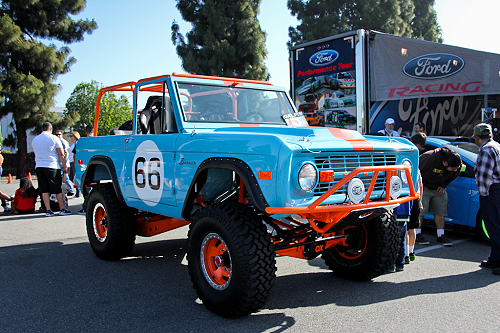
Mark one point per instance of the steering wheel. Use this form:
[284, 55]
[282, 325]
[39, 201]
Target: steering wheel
[212, 114]
[254, 117]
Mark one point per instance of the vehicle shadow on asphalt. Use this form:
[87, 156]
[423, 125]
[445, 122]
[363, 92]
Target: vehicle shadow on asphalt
[329, 289]
[64, 287]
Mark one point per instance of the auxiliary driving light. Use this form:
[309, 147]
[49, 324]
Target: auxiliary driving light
[356, 190]
[396, 187]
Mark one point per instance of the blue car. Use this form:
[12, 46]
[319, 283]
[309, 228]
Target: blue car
[463, 196]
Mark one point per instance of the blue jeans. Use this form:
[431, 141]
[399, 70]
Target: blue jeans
[490, 210]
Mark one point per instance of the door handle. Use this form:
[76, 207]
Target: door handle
[128, 139]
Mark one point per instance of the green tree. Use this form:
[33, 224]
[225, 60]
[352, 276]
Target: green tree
[28, 67]
[318, 19]
[424, 24]
[226, 39]
[80, 106]
[325, 18]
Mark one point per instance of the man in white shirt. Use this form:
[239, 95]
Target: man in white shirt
[49, 158]
[389, 128]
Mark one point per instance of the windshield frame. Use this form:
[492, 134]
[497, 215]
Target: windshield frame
[230, 113]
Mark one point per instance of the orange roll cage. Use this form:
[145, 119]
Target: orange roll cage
[130, 87]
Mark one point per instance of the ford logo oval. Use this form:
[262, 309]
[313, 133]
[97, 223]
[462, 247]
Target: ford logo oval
[357, 190]
[433, 65]
[323, 58]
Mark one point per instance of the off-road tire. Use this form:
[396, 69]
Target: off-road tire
[246, 252]
[112, 235]
[373, 248]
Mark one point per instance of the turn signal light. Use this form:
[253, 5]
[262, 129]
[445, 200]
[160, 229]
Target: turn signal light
[265, 175]
[326, 176]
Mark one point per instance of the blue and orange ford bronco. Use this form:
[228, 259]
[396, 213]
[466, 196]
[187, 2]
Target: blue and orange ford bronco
[234, 160]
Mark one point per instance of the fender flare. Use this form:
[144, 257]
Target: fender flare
[107, 163]
[241, 169]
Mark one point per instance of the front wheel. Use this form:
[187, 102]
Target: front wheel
[230, 258]
[111, 226]
[371, 250]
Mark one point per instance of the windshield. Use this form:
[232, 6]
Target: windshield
[207, 103]
[465, 149]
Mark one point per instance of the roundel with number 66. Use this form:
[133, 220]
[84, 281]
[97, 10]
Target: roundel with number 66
[147, 173]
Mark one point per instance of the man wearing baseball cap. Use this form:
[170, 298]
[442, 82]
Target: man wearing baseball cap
[389, 128]
[487, 174]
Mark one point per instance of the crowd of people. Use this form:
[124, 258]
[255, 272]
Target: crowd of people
[437, 169]
[55, 170]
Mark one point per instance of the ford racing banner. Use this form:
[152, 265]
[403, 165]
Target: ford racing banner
[404, 68]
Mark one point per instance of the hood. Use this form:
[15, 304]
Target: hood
[322, 138]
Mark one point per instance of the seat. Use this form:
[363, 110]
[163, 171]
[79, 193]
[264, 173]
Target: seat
[151, 120]
[144, 119]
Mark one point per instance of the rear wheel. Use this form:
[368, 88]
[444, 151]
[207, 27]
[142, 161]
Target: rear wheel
[111, 226]
[230, 258]
[371, 250]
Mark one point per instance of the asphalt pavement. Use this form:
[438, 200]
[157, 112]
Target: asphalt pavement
[50, 281]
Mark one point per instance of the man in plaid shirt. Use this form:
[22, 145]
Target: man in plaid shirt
[487, 174]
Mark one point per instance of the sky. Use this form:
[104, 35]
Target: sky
[133, 42]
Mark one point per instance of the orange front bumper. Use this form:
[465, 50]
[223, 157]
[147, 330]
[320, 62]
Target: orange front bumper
[333, 213]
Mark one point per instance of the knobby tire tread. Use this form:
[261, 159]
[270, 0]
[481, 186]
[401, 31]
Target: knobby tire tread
[378, 257]
[256, 264]
[122, 224]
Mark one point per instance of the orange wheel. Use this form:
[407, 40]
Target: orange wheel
[216, 261]
[356, 250]
[100, 222]
[371, 249]
[111, 225]
[230, 258]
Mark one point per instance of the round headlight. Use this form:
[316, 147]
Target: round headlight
[403, 174]
[308, 177]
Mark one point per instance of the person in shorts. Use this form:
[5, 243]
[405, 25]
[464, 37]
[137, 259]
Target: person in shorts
[413, 235]
[439, 167]
[49, 159]
[89, 132]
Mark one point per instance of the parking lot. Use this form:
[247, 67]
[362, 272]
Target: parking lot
[52, 282]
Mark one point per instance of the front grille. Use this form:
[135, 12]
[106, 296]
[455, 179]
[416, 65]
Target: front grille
[341, 163]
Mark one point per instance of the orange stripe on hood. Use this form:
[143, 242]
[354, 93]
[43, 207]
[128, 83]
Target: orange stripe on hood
[347, 135]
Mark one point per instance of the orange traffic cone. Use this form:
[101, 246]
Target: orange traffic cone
[29, 176]
[10, 179]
